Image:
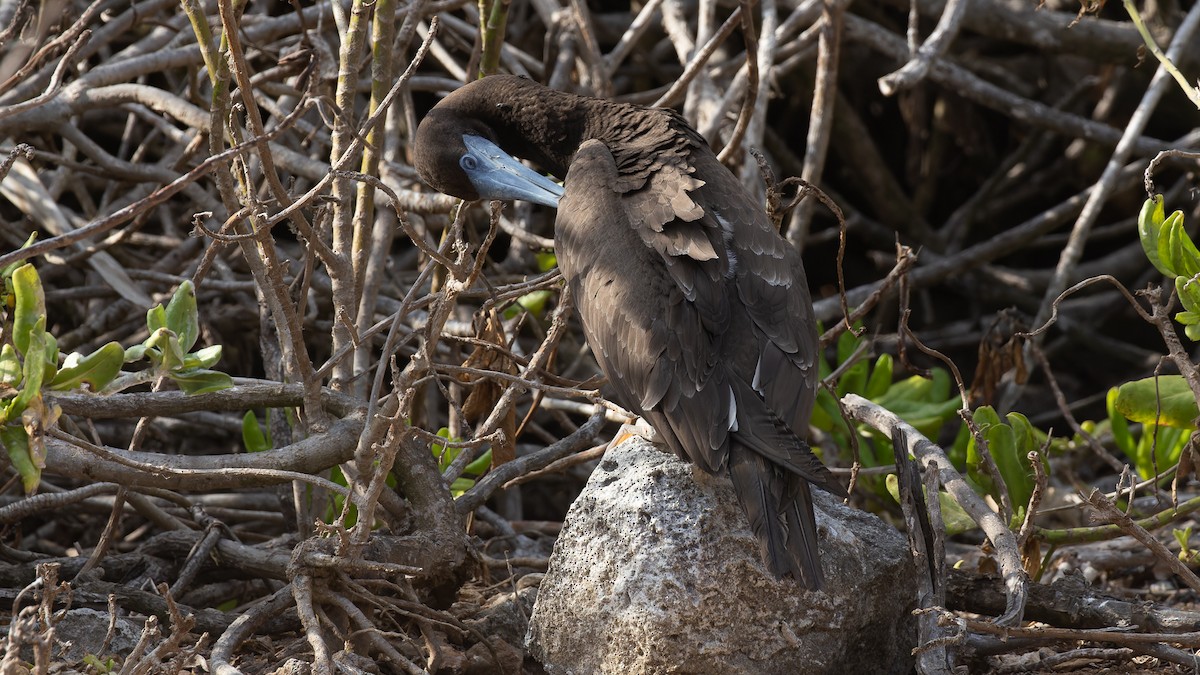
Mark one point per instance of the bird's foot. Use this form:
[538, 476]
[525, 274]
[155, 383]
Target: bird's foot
[639, 428]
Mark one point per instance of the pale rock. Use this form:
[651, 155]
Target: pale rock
[656, 571]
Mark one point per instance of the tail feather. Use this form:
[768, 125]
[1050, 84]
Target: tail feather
[778, 505]
[763, 432]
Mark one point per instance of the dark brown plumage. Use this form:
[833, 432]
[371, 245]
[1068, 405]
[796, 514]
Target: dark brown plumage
[696, 309]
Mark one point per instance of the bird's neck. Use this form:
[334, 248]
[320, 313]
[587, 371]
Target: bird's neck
[547, 128]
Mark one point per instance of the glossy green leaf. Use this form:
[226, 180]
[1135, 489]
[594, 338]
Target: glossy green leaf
[881, 377]
[1192, 330]
[97, 369]
[1119, 425]
[182, 316]
[1150, 221]
[1176, 249]
[252, 434]
[30, 306]
[480, 465]
[16, 444]
[1010, 455]
[200, 380]
[1166, 399]
[984, 417]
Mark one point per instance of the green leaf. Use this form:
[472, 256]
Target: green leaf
[252, 434]
[1188, 289]
[533, 302]
[1150, 221]
[1010, 447]
[546, 260]
[49, 357]
[480, 465]
[460, 486]
[204, 358]
[1175, 247]
[881, 378]
[8, 270]
[922, 402]
[847, 344]
[827, 416]
[1002, 443]
[853, 379]
[200, 381]
[169, 352]
[1183, 535]
[156, 319]
[1192, 330]
[1187, 318]
[182, 316]
[1158, 449]
[1166, 399]
[16, 443]
[34, 370]
[985, 417]
[30, 306]
[97, 369]
[1119, 425]
[10, 366]
[135, 353]
[444, 453]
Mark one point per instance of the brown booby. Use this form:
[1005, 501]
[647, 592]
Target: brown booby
[696, 309]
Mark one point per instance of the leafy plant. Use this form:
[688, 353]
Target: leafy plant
[927, 403]
[1170, 249]
[1009, 441]
[1183, 535]
[173, 332]
[30, 363]
[1166, 424]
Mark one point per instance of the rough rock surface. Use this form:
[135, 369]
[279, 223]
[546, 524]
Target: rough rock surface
[656, 571]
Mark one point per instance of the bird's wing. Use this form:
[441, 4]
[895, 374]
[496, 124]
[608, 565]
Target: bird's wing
[654, 328]
[695, 214]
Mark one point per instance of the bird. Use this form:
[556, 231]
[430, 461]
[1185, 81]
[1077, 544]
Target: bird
[697, 310]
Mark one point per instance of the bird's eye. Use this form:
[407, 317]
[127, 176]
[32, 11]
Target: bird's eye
[468, 163]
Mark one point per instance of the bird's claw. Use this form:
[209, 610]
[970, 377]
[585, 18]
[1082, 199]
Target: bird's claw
[640, 428]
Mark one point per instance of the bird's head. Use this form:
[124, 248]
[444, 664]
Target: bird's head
[457, 153]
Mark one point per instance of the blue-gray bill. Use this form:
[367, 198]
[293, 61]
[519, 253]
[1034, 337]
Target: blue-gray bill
[498, 175]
